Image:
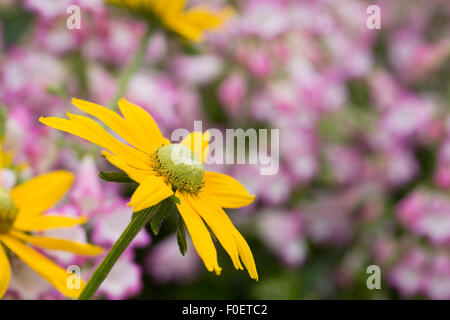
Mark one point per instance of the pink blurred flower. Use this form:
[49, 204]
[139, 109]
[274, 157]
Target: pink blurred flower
[166, 264]
[346, 164]
[407, 116]
[427, 214]
[157, 47]
[429, 58]
[9, 178]
[28, 143]
[353, 57]
[232, 93]
[384, 249]
[197, 70]
[103, 86]
[385, 89]
[437, 279]
[123, 40]
[157, 94]
[259, 62]
[323, 93]
[298, 148]
[87, 191]
[63, 258]
[398, 166]
[18, 128]
[94, 6]
[271, 189]
[283, 95]
[77, 234]
[272, 12]
[109, 225]
[26, 76]
[408, 275]
[442, 173]
[124, 280]
[111, 39]
[48, 9]
[328, 220]
[26, 284]
[56, 38]
[282, 232]
[442, 176]
[414, 58]
[275, 189]
[262, 107]
[188, 107]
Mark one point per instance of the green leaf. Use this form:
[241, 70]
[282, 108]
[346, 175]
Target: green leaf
[181, 235]
[176, 199]
[168, 207]
[118, 176]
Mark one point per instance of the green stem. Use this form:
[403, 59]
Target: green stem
[138, 222]
[134, 64]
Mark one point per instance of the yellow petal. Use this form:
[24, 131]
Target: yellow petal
[246, 255]
[226, 191]
[47, 222]
[156, 6]
[226, 232]
[200, 235]
[54, 274]
[173, 6]
[140, 120]
[205, 19]
[5, 272]
[219, 223]
[94, 129]
[150, 192]
[119, 125]
[193, 23]
[184, 28]
[1, 164]
[138, 175]
[41, 193]
[198, 142]
[90, 130]
[60, 244]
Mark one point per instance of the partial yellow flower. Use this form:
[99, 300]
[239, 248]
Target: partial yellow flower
[21, 214]
[190, 24]
[162, 170]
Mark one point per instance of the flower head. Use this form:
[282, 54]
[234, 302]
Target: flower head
[162, 170]
[21, 214]
[190, 24]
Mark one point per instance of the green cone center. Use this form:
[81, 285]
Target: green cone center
[8, 211]
[182, 168]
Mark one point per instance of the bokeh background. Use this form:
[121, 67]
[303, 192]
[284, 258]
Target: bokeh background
[365, 141]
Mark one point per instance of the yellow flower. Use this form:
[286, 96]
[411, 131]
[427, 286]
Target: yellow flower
[163, 169]
[21, 213]
[191, 23]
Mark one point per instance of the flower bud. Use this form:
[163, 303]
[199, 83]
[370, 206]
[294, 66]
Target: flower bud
[180, 166]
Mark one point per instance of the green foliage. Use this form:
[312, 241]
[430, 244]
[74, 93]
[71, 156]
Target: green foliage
[181, 235]
[15, 24]
[359, 92]
[167, 208]
[118, 176]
